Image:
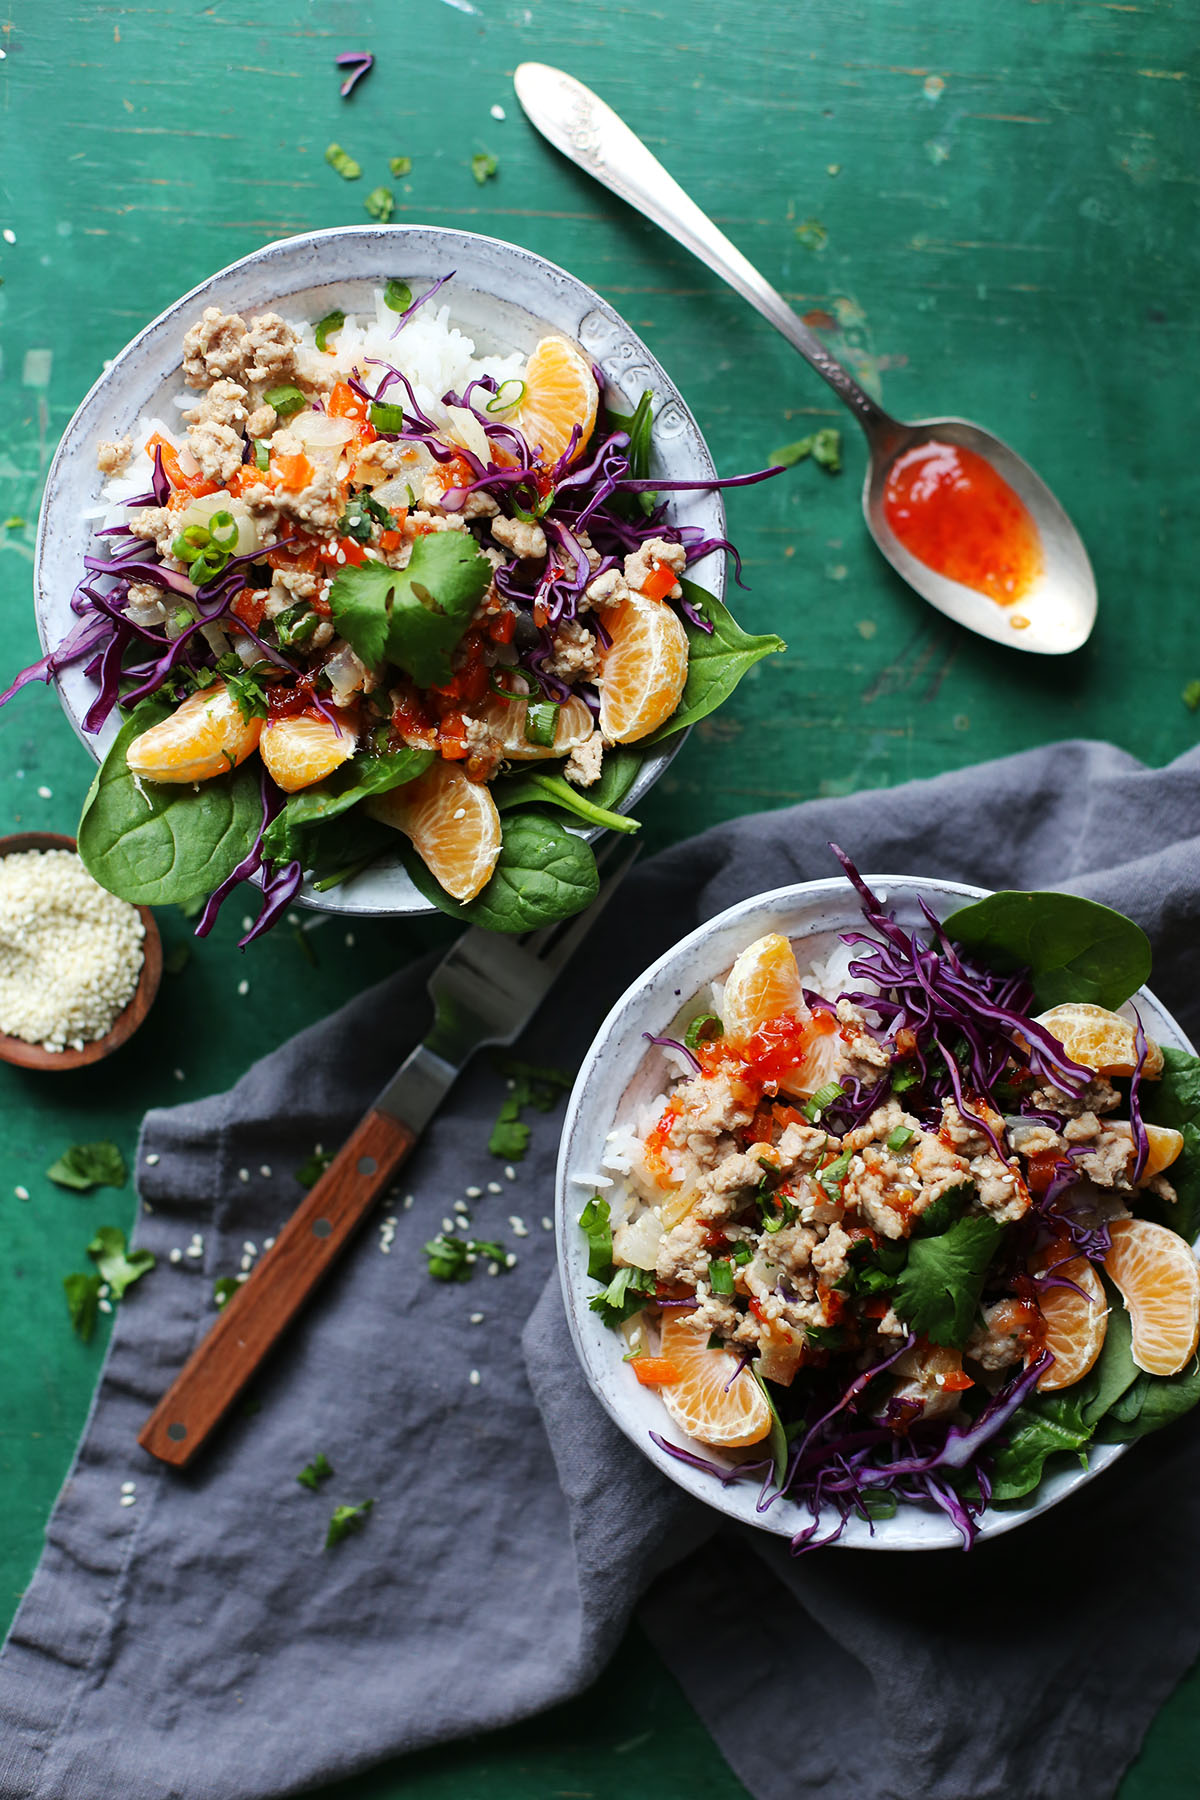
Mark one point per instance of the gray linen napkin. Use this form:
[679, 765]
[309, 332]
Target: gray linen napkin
[201, 1644]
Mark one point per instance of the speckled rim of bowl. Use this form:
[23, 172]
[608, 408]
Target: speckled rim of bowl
[621, 1070]
[312, 274]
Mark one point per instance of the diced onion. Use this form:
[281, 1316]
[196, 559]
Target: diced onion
[346, 675]
[320, 431]
[637, 1244]
[465, 429]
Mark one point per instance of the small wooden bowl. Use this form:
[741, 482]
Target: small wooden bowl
[34, 1056]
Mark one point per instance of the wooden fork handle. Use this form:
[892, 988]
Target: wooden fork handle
[263, 1307]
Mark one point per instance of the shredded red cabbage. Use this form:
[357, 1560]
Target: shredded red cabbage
[359, 63]
[671, 1043]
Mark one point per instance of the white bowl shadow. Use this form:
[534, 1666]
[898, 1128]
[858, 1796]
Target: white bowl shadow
[621, 1070]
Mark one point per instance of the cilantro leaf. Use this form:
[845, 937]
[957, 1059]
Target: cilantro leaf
[510, 1137]
[381, 204]
[825, 448]
[625, 1295]
[938, 1290]
[400, 166]
[224, 1288]
[530, 1085]
[453, 1258]
[1190, 695]
[315, 1472]
[312, 1169]
[413, 616]
[86, 1166]
[83, 1302]
[345, 1520]
[595, 1222]
[116, 1266]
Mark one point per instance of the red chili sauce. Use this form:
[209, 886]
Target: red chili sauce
[953, 512]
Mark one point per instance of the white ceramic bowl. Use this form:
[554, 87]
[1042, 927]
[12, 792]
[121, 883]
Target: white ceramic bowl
[503, 295]
[621, 1071]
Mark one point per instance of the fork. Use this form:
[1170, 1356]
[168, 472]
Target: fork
[485, 990]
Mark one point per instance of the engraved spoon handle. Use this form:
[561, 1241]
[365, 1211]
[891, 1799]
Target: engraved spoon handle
[591, 134]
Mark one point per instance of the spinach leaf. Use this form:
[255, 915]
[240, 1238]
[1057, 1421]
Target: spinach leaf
[86, 1166]
[937, 1291]
[1149, 1403]
[544, 787]
[290, 833]
[1075, 949]
[1045, 1425]
[1114, 1370]
[716, 662]
[156, 842]
[1175, 1100]
[777, 1442]
[120, 1268]
[543, 873]
[413, 616]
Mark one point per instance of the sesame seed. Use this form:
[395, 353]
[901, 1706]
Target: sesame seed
[510, 1174]
[473, 1378]
[247, 922]
[128, 1499]
[518, 1225]
[473, 1193]
[268, 1243]
[447, 1224]
[408, 1201]
[104, 1305]
[547, 1224]
[249, 1249]
[178, 1074]
[243, 1174]
[104, 1290]
[152, 1159]
[510, 1084]
[176, 1256]
[493, 1268]
[460, 814]
[460, 1207]
[476, 1318]
[194, 1250]
[247, 1263]
[243, 987]
[498, 112]
[146, 1206]
[349, 940]
[472, 1258]
[22, 1193]
[45, 793]
[494, 1187]
[10, 236]
[128, 1487]
[264, 1169]
[510, 1261]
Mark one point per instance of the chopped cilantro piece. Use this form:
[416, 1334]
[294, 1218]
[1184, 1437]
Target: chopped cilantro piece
[822, 1100]
[483, 166]
[532, 1085]
[345, 1520]
[285, 399]
[326, 327]
[625, 1295]
[595, 1223]
[903, 1079]
[897, 1139]
[381, 204]
[86, 1166]
[315, 1472]
[825, 1337]
[937, 1291]
[945, 1210]
[400, 166]
[343, 164]
[832, 1177]
[311, 1171]
[83, 1302]
[14, 522]
[825, 448]
[120, 1269]
[224, 1288]
[703, 1030]
[1190, 695]
[776, 1210]
[453, 1258]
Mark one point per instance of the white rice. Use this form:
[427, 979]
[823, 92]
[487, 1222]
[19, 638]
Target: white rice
[437, 357]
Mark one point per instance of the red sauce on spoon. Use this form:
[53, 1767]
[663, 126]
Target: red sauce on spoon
[953, 512]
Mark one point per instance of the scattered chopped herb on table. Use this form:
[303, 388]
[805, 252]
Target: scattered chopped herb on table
[812, 234]
[400, 165]
[311, 1171]
[86, 1166]
[453, 1258]
[343, 164]
[345, 1521]
[824, 446]
[14, 522]
[316, 1471]
[224, 1288]
[117, 1266]
[1190, 696]
[531, 1086]
[483, 166]
[381, 204]
[83, 1301]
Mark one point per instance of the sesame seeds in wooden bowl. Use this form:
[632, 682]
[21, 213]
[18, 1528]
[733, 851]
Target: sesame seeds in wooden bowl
[80, 1010]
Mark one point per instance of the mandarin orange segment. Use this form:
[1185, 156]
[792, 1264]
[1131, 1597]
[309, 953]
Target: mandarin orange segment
[560, 393]
[1160, 1285]
[1165, 1145]
[1099, 1039]
[505, 719]
[452, 824]
[643, 671]
[698, 1401]
[1075, 1323]
[764, 983]
[302, 750]
[206, 736]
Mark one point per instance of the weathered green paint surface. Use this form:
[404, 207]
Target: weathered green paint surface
[1007, 203]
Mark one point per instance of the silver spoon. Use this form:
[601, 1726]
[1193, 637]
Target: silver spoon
[1057, 612]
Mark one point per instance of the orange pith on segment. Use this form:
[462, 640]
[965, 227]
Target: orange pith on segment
[1099, 1039]
[698, 1402]
[452, 824]
[505, 719]
[1075, 1323]
[206, 736]
[301, 750]
[1156, 1273]
[560, 393]
[764, 983]
[643, 671]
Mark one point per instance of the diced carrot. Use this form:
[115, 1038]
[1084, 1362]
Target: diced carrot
[390, 540]
[350, 552]
[344, 403]
[294, 471]
[956, 1382]
[659, 582]
[250, 606]
[654, 1371]
[195, 485]
[501, 627]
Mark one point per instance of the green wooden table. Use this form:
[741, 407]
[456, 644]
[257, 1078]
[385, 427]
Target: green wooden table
[990, 211]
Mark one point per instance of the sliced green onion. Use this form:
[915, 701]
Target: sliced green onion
[286, 400]
[397, 295]
[400, 165]
[541, 722]
[182, 617]
[345, 165]
[903, 1079]
[262, 456]
[498, 403]
[327, 326]
[387, 417]
[742, 1254]
[720, 1277]
[223, 530]
[898, 1138]
[508, 693]
[703, 1029]
[823, 1098]
[483, 166]
[381, 204]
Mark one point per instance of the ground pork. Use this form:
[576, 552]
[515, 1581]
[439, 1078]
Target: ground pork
[584, 764]
[1007, 1335]
[320, 504]
[1110, 1154]
[270, 349]
[609, 589]
[524, 540]
[999, 1185]
[641, 564]
[217, 449]
[1099, 1096]
[301, 584]
[574, 652]
[881, 1189]
[725, 1190]
[157, 526]
[214, 347]
[857, 1056]
[224, 403]
[262, 421]
[800, 1149]
[711, 1107]
[263, 505]
[682, 1253]
[831, 1257]
[479, 506]
[112, 454]
[379, 462]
